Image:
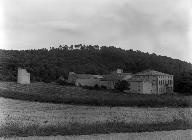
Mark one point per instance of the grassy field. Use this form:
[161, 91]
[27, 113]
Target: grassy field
[23, 118]
[158, 135]
[52, 93]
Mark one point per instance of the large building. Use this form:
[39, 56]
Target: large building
[151, 82]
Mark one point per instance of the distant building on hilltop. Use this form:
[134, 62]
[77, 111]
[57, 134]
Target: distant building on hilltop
[151, 82]
[23, 77]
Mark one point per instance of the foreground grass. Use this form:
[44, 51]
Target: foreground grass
[16, 129]
[99, 98]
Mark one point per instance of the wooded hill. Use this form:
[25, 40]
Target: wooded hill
[49, 64]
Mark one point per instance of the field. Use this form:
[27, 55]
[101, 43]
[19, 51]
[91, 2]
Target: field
[159, 135]
[78, 111]
[53, 93]
[23, 118]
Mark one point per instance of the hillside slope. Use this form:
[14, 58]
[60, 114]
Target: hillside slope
[48, 65]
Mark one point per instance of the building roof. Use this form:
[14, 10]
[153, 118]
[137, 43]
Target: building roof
[84, 76]
[151, 72]
[133, 79]
[88, 76]
[112, 77]
[98, 76]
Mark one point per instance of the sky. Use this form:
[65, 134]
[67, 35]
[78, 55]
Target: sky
[163, 27]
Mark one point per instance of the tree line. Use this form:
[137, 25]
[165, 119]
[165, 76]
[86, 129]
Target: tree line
[49, 64]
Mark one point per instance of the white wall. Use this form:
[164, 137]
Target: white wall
[147, 87]
[87, 82]
[142, 87]
[136, 87]
[23, 76]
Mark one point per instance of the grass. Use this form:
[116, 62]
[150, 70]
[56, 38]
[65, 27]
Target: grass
[100, 98]
[17, 129]
[21, 122]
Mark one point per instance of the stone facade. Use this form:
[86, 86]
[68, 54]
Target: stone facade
[23, 76]
[161, 82]
[72, 77]
[139, 86]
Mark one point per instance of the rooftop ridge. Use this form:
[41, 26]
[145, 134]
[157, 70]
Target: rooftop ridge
[151, 72]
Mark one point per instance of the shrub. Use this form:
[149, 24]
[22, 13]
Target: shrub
[75, 128]
[122, 85]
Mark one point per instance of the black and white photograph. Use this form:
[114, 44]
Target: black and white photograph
[95, 69]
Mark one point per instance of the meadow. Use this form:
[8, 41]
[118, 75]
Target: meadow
[23, 118]
[52, 93]
[42, 109]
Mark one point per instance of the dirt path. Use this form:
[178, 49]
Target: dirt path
[159, 135]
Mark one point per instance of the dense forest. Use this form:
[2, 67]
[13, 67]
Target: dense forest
[49, 64]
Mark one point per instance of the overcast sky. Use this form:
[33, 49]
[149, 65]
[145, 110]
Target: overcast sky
[163, 27]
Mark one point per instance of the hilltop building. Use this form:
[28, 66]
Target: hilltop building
[23, 77]
[151, 82]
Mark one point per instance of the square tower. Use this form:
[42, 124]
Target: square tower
[23, 76]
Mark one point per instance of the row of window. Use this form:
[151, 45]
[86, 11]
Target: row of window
[169, 77]
[164, 82]
[151, 77]
[164, 89]
[161, 90]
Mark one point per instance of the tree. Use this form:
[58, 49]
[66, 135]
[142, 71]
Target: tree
[184, 83]
[122, 85]
[49, 64]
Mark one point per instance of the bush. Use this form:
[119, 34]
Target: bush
[103, 87]
[14, 129]
[122, 85]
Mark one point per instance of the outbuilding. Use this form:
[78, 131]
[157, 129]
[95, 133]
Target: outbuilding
[23, 77]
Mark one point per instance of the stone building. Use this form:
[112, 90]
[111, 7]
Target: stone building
[109, 81]
[84, 79]
[159, 82]
[23, 77]
[139, 86]
[88, 80]
[72, 77]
